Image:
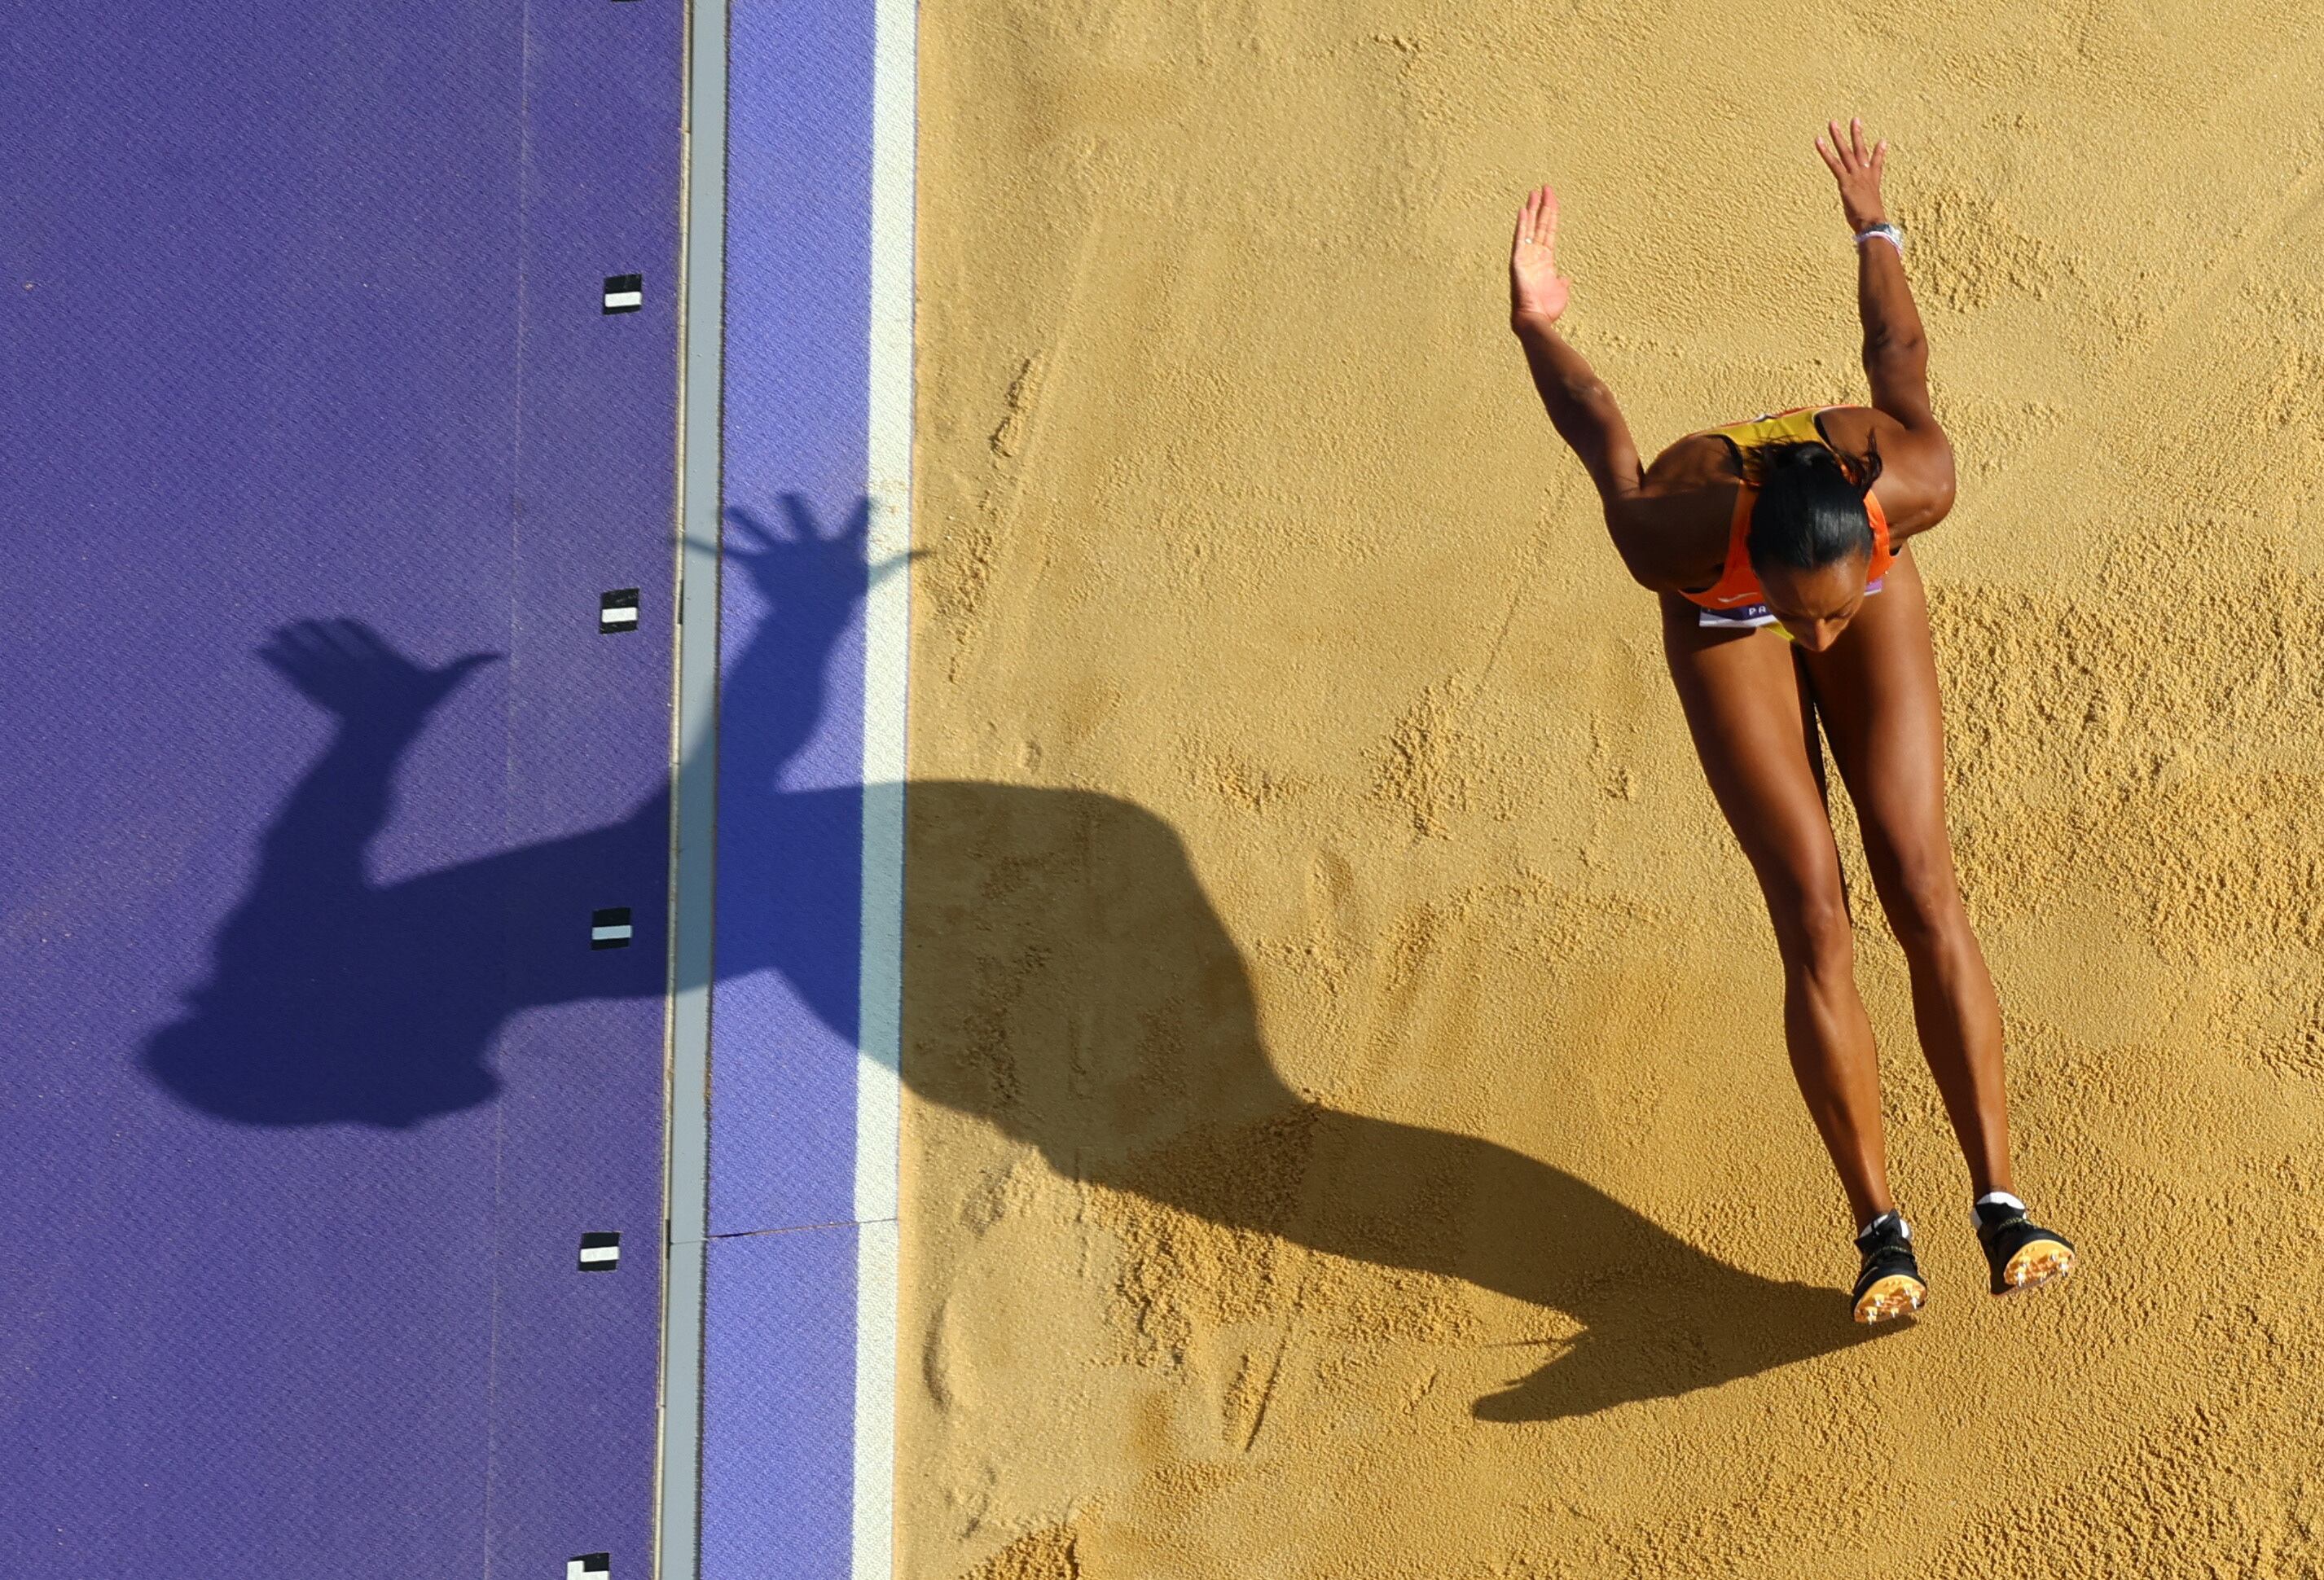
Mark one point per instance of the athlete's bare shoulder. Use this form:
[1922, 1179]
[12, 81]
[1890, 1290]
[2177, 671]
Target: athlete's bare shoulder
[1692, 464]
[1916, 489]
[1674, 531]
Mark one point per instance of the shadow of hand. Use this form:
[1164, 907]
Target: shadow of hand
[347, 669]
[808, 576]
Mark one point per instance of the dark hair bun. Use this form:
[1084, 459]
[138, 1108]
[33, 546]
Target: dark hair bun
[1809, 512]
[1813, 458]
[1782, 458]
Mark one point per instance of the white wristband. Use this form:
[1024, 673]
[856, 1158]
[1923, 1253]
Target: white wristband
[1895, 237]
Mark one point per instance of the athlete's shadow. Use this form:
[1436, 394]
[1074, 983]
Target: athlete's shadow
[1066, 981]
[336, 999]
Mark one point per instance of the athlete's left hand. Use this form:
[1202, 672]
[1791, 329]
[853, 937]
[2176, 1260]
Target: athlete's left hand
[1537, 290]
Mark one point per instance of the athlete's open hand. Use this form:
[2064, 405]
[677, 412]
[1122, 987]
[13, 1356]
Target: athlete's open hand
[1538, 292]
[1858, 168]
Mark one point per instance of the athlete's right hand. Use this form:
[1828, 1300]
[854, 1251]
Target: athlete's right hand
[1538, 292]
[1858, 168]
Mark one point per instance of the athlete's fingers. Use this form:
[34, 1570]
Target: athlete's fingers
[1546, 221]
[1824, 154]
[1839, 145]
[1880, 158]
[1856, 138]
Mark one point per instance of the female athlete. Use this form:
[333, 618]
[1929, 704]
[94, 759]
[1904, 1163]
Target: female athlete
[1790, 598]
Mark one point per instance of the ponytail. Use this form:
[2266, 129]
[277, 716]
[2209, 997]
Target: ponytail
[1810, 511]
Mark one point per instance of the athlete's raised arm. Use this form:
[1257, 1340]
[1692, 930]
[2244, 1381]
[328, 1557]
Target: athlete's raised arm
[1919, 463]
[1580, 408]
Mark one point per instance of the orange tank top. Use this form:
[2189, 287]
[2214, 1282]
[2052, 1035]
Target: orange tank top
[1738, 586]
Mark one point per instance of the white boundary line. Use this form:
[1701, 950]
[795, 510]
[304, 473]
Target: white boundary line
[694, 807]
[887, 616]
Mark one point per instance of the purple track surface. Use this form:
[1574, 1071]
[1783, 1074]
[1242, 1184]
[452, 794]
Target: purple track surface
[780, 1355]
[780, 1314]
[323, 452]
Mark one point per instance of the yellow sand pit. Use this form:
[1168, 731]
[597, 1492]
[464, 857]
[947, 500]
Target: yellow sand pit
[1348, 1133]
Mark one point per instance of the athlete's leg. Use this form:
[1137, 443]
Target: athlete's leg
[1876, 689]
[1749, 720]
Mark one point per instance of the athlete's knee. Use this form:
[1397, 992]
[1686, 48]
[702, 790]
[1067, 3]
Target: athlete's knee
[1921, 896]
[1811, 929]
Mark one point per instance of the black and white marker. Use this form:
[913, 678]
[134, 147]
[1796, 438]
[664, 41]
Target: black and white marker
[618, 610]
[610, 929]
[625, 293]
[589, 1567]
[601, 1250]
